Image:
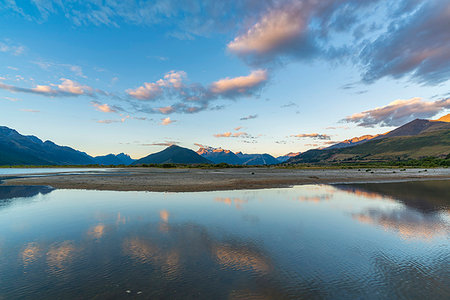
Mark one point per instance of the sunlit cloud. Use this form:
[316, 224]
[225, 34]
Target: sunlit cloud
[193, 98]
[167, 121]
[276, 30]
[312, 136]
[103, 107]
[241, 84]
[231, 134]
[67, 87]
[399, 112]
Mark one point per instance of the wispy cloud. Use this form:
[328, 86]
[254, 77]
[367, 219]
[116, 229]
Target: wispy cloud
[396, 53]
[166, 143]
[249, 117]
[7, 46]
[317, 136]
[66, 88]
[231, 134]
[30, 110]
[399, 112]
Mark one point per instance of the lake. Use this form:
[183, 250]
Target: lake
[29, 171]
[365, 241]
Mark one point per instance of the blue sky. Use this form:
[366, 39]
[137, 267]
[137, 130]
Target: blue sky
[253, 76]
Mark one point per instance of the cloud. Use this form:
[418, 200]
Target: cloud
[193, 98]
[8, 47]
[108, 121]
[30, 110]
[312, 136]
[277, 32]
[103, 107]
[239, 85]
[249, 117]
[415, 45]
[230, 134]
[238, 128]
[165, 144]
[11, 99]
[399, 112]
[167, 121]
[290, 104]
[66, 88]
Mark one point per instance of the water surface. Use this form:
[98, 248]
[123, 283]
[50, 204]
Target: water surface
[371, 241]
[27, 171]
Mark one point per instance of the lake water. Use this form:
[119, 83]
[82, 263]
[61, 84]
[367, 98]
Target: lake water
[367, 241]
[27, 171]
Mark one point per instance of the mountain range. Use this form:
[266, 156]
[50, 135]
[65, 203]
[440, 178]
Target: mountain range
[17, 149]
[219, 155]
[414, 140]
[175, 155]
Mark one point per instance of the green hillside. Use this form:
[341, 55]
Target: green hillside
[434, 144]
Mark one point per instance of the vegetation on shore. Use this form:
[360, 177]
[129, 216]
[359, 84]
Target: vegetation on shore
[425, 162]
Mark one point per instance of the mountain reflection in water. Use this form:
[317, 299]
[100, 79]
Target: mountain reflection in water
[317, 241]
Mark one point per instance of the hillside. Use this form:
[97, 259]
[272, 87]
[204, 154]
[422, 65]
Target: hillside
[114, 159]
[17, 149]
[434, 143]
[175, 155]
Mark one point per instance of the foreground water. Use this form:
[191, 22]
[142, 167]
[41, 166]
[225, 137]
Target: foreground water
[29, 171]
[371, 241]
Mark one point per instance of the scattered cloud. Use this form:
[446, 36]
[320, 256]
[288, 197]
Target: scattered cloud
[290, 104]
[12, 99]
[399, 112]
[312, 136]
[243, 85]
[249, 117]
[230, 134]
[415, 44]
[66, 88]
[30, 110]
[165, 144]
[167, 121]
[238, 128]
[193, 98]
[7, 46]
[103, 107]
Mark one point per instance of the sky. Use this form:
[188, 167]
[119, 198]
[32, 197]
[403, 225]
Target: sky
[257, 76]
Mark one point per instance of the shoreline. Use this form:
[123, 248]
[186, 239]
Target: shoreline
[196, 180]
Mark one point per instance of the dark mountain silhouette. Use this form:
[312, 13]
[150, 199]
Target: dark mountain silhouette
[112, 159]
[173, 154]
[17, 149]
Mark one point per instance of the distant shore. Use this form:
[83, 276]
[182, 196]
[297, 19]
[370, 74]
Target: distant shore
[191, 180]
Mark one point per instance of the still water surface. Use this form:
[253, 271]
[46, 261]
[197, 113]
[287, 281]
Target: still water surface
[369, 241]
[28, 171]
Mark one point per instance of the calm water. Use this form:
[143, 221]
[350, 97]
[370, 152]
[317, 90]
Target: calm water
[21, 171]
[371, 241]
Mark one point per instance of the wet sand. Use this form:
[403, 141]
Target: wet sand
[190, 180]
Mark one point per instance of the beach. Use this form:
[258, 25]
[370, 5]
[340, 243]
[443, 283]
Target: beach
[193, 180]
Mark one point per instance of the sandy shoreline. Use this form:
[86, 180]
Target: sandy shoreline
[190, 180]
